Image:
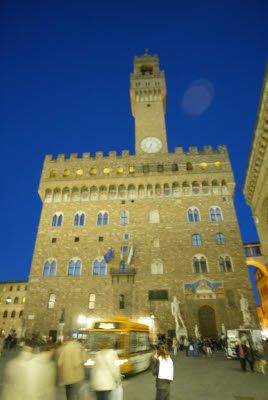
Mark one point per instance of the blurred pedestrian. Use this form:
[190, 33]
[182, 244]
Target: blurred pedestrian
[175, 346]
[105, 375]
[186, 346]
[163, 369]
[71, 361]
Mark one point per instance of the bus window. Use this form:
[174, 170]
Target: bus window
[114, 340]
[139, 341]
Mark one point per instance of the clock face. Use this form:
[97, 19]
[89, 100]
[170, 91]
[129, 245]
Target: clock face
[151, 145]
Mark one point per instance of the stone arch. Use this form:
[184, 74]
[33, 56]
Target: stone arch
[207, 322]
[258, 265]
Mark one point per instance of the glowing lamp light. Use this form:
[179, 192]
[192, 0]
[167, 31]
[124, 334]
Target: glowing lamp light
[147, 321]
[81, 319]
[89, 362]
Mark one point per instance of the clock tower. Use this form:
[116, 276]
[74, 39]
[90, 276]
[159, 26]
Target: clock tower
[148, 104]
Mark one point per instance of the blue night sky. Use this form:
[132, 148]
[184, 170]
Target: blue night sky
[64, 73]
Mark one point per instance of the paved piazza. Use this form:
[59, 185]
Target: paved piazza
[214, 378]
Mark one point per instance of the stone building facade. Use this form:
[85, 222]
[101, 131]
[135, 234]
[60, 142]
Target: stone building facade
[256, 181]
[12, 302]
[124, 234]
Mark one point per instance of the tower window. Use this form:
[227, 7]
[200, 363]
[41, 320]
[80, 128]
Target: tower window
[146, 70]
[148, 105]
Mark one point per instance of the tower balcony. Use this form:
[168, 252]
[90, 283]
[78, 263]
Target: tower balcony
[117, 273]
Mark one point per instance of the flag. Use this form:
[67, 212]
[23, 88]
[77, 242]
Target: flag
[130, 255]
[108, 255]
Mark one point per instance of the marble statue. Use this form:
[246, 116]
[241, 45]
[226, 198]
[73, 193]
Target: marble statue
[175, 310]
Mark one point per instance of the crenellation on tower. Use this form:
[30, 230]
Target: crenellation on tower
[73, 156]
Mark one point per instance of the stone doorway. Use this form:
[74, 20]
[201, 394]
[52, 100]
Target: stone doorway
[207, 322]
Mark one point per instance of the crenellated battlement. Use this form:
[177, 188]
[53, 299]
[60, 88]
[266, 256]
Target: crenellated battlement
[193, 150]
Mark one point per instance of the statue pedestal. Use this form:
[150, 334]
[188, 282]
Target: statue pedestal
[181, 332]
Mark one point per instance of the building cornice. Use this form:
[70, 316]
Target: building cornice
[259, 143]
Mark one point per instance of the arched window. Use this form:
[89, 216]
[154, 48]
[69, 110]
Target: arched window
[175, 190]
[157, 267]
[220, 238]
[103, 193]
[79, 172]
[131, 192]
[193, 215]
[215, 187]
[92, 301]
[99, 268]
[66, 172]
[124, 218]
[56, 195]
[141, 191]
[158, 190]
[123, 266]
[48, 196]
[112, 192]
[21, 314]
[93, 193]
[53, 174]
[50, 267]
[51, 300]
[84, 194]
[200, 264]
[195, 188]
[66, 195]
[57, 219]
[196, 240]
[79, 219]
[75, 194]
[74, 268]
[121, 301]
[225, 264]
[224, 188]
[13, 314]
[205, 187]
[122, 192]
[166, 190]
[103, 218]
[154, 217]
[16, 300]
[150, 192]
[8, 300]
[185, 189]
[5, 314]
[215, 214]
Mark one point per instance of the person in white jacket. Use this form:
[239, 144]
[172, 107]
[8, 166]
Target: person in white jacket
[105, 375]
[162, 368]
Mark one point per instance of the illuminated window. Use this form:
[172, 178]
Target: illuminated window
[217, 164]
[99, 268]
[52, 174]
[66, 172]
[23, 300]
[51, 300]
[106, 171]
[196, 240]
[57, 219]
[93, 171]
[8, 300]
[124, 218]
[79, 219]
[74, 268]
[220, 238]
[50, 268]
[120, 170]
[79, 172]
[1, 300]
[199, 264]
[92, 301]
[225, 264]
[131, 170]
[204, 165]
